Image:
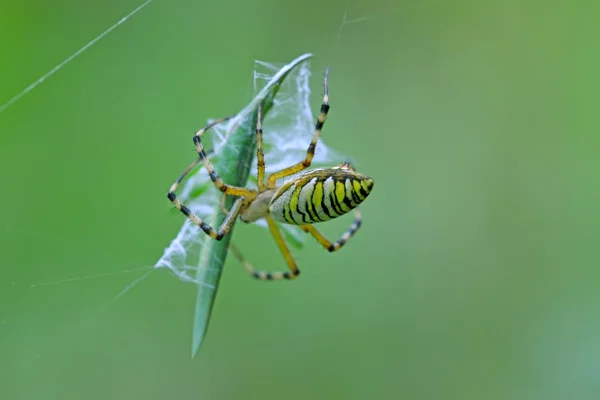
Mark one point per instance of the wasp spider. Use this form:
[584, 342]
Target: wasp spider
[314, 196]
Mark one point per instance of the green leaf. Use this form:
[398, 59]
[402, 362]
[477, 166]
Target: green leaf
[235, 162]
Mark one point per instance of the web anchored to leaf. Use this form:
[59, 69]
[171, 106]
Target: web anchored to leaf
[288, 128]
[288, 125]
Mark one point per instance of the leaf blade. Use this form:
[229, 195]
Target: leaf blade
[235, 159]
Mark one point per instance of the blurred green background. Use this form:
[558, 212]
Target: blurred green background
[475, 275]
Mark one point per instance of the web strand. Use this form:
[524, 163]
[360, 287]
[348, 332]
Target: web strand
[80, 278]
[70, 58]
[288, 130]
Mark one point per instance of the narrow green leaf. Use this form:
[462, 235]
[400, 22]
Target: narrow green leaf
[234, 166]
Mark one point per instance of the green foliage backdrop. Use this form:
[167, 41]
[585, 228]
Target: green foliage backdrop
[475, 275]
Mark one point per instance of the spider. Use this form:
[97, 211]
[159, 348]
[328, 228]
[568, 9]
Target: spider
[311, 197]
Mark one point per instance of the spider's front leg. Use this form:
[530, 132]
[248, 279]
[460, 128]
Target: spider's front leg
[245, 195]
[209, 230]
[249, 194]
[310, 152]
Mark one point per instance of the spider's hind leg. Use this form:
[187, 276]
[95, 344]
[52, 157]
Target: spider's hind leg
[335, 246]
[285, 251]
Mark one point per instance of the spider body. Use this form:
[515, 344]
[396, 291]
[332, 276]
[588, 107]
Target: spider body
[308, 198]
[319, 195]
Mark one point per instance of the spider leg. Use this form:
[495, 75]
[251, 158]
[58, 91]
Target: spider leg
[287, 255]
[334, 246]
[244, 194]
[249, 194]
[260, 155]
[224, 209]
[209, 230]
[310, 152]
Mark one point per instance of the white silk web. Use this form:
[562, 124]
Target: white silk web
[288, 129]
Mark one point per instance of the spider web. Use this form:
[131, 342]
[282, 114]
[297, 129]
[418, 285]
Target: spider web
[288, 129]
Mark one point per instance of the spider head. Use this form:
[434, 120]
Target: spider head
[346, 165]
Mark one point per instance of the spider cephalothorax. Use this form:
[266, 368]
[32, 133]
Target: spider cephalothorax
[307, 198]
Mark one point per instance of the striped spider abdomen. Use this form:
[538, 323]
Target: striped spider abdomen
[320, 195]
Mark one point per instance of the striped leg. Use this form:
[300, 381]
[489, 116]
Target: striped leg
[209, 230]
[260, 155]
[335, 246]
[310, 153]
[243, 193]
[271, 276]
[222, 186]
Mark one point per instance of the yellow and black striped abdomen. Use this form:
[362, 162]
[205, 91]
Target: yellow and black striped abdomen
[320, 195]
